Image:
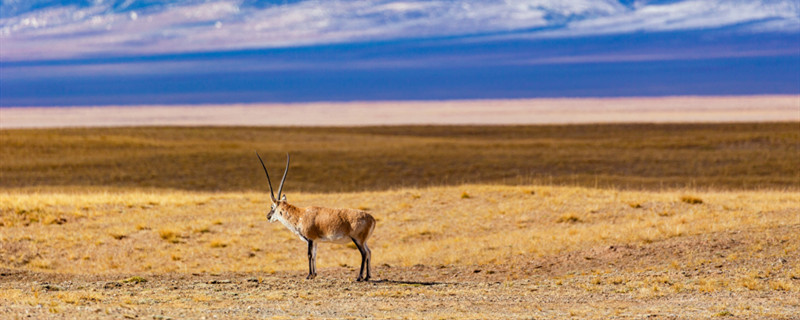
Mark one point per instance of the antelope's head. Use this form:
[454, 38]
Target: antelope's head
[275, 209]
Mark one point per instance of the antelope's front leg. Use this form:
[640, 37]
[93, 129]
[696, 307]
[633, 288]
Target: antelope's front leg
[312, 260]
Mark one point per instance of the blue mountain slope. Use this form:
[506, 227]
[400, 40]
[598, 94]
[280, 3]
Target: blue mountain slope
[198, 51]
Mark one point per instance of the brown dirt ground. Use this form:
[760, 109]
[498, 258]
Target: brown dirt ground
[729, 274]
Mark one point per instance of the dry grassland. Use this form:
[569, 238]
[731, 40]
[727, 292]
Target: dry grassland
[630, 156]
[70, 247]
[532, 249]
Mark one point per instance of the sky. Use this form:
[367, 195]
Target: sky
[129, 52]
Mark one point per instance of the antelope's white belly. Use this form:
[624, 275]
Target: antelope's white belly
[336, 238]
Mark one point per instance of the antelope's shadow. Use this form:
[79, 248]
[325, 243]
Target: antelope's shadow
[405, 282]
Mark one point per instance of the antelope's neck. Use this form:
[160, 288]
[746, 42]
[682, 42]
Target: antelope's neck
[291, 219]
[292, 213]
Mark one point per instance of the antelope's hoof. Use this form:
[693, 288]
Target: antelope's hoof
[359, 279]
[311, 276]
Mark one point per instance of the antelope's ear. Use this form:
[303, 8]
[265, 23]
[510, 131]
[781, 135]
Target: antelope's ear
[283, 197]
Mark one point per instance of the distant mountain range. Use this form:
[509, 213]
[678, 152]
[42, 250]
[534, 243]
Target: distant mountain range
[391, 49]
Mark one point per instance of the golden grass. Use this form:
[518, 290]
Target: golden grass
[132, 204]
[630, 156]
[432, 225]
[169, 235]
[691, 200]
[135, 279]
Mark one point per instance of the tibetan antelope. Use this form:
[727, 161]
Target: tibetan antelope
[316, 224]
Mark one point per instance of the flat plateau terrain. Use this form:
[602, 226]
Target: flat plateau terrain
[680, 109]
[668, 221]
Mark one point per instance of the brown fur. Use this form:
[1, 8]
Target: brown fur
[317, 224]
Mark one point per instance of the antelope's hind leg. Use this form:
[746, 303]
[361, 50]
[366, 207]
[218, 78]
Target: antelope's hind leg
[369, 261]
[312, 260]
[363, 260]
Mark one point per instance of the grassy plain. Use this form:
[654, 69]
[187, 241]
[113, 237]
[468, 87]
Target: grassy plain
[629, 156]
[696, 221]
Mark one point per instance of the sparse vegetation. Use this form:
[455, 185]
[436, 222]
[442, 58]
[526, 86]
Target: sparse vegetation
[569, 218]
[691, 200]
[169, 235]
[217, 244]
[724, 313]
[135, 279]
[118, 233]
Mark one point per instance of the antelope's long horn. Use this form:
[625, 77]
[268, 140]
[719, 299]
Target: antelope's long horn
[271, 193]
[285, 171]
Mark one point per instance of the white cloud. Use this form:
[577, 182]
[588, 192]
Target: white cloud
[70, 31]
[686, 15]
